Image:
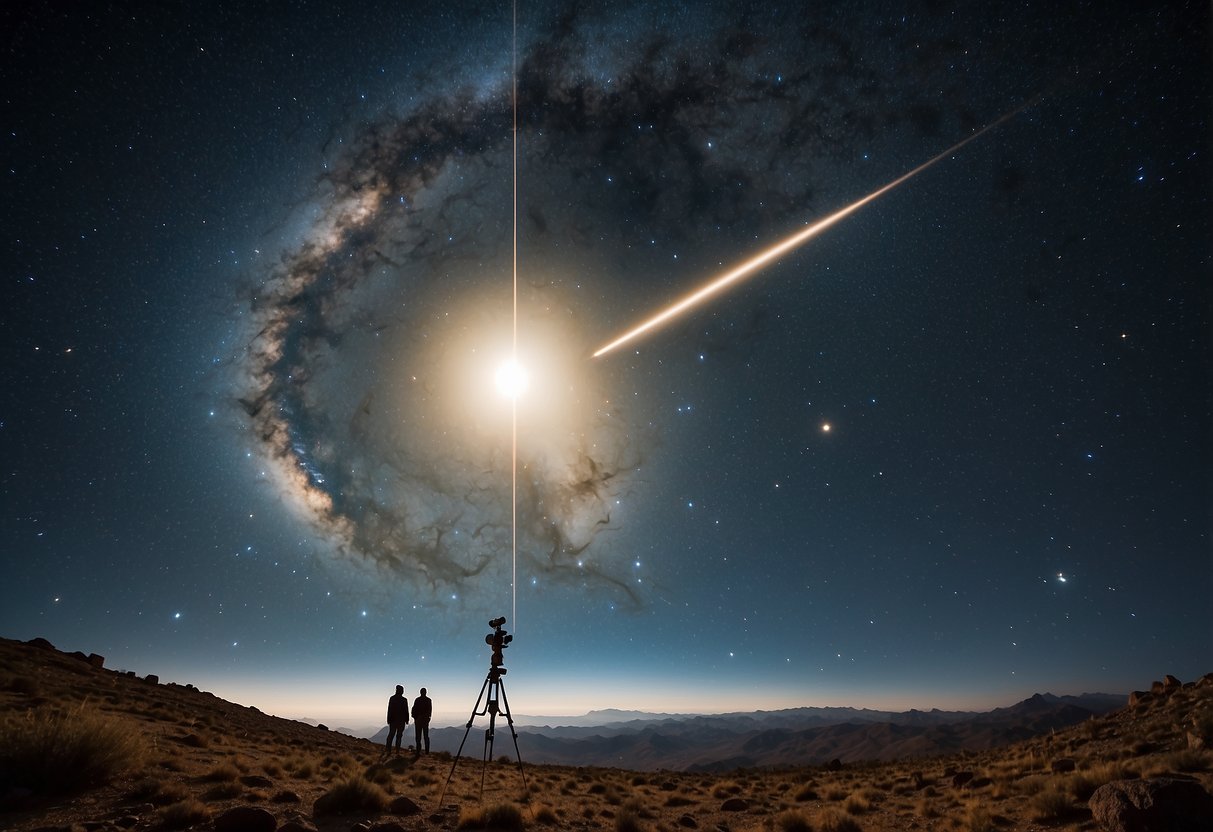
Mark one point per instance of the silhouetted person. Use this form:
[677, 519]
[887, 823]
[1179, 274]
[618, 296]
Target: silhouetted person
[423, 709]
[397, 719]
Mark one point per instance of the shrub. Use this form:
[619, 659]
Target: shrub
[1083, 784]
[628, 819]
[807, 792]
[1049, 804]
[503, 817]
[224, 791]
[352, 794]
[1186, 760]
[222, 773]
[793, 820]
[727, 788]
[978, 818]
[832, 821]
[856, 804]
[546, 816]
[56, 752]
[185, 813]
[158, 792]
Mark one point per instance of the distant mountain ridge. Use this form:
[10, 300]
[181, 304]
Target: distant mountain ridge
[791, 737]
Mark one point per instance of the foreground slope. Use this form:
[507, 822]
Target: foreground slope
[189, 759]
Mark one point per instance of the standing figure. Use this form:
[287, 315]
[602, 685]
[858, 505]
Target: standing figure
[397, 719]
[423, 709]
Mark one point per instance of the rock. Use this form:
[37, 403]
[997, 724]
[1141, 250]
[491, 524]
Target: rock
[256, 781]
[322, 727]
[436, 818]
[688, 822]
[1165, 804]
[960, 778]
[96, 661]
[286, 796]
[296, 826]
[1170, 684]
[40, 643]
[735, 804]
[1139, 697]
[1156, 688]
[246, 819]
[152, 679]
[834, 765]
[1062, 765]
[126, 821]
[403, 806]
[1196, 741]
[980, 782]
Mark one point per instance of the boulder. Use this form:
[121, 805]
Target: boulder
[96, 661]
[246, 819]
[1170, 684]
[152, 679]
[40, 643]
[404, 806]
[735, 804]
[1139, 697]
[688, 821]
[1165, 804]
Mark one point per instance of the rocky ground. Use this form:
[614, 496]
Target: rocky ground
[84, 748]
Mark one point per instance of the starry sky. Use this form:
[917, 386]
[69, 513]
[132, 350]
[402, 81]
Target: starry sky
[258, 281]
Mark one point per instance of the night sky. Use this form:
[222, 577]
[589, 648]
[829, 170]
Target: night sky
[955, 450]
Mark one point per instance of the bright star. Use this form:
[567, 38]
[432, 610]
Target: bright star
[511, 379]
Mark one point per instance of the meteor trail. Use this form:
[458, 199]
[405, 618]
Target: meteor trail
[761, 259]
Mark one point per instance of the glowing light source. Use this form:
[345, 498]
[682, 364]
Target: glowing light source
[512, 379]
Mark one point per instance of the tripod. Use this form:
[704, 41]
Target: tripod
[495, 689]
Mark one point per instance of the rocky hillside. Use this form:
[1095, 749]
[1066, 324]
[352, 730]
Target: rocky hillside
[86, 749]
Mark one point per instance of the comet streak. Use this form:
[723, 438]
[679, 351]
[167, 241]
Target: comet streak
[799, 238]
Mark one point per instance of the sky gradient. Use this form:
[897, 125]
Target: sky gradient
[953, 451]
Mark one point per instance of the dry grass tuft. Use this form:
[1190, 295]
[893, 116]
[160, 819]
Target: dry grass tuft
[185, 813]
[503, 817]
[833, 821]
[352, 794]
[57, 752]
[793, 820]
[1050, 804]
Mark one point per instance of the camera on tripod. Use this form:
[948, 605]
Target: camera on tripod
[498, 640]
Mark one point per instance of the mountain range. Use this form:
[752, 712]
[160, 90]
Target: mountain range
[792, 737]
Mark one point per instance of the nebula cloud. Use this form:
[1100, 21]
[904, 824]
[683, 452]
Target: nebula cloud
[367, 373]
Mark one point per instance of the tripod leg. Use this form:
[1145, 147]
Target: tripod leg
[475, 711]
[505, 709]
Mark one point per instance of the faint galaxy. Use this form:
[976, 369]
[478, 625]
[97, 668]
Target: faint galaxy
[953, 451]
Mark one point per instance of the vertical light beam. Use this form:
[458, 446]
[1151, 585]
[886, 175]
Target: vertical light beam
[514, 344]
[749, 267]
